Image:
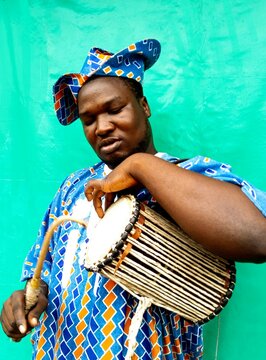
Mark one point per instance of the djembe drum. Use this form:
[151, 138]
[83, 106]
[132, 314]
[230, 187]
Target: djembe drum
[152, 258]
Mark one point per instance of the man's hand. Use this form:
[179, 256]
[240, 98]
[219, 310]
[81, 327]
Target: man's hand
[15, 323]
[119, 179]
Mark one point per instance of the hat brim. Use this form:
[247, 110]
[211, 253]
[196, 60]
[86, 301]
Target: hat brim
[65, 93]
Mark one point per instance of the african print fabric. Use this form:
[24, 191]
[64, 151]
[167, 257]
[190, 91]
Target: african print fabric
[88, 316]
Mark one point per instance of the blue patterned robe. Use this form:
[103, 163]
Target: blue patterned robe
[88, 316]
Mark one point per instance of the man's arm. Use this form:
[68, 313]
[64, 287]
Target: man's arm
[16, 324]
[214, 213]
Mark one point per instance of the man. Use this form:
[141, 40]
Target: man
[87, 316]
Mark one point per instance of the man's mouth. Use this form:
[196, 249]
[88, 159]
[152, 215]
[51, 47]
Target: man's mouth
[108, 146]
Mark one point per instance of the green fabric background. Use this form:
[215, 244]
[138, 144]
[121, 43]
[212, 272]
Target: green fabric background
[207, 95]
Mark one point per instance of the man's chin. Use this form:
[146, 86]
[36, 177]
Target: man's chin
[113, 161]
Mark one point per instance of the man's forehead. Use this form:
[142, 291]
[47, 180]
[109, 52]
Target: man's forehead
[103, 86]
[102, 95]
[104, 81]
[88, 105]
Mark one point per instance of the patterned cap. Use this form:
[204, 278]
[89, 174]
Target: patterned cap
[130, 62]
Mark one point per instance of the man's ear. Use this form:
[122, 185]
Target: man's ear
[144, 103]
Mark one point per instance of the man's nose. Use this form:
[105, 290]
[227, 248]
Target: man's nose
[104, 124]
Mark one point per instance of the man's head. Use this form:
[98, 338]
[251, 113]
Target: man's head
[107, 95]
[114, 114]
[130, 62]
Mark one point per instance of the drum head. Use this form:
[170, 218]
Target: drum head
[108, 231]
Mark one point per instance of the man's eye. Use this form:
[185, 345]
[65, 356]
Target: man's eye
[114, 111]
[87, 120]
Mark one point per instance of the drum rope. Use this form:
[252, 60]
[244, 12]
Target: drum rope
[174, 234]
[186, 268]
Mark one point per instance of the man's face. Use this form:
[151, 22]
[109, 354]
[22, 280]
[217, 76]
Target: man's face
[114, 120]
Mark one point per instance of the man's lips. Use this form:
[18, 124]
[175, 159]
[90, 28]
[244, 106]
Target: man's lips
[107, 146]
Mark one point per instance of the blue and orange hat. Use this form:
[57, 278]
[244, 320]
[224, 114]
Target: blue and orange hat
[130, 62]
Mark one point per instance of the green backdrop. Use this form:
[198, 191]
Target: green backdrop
[207, 95]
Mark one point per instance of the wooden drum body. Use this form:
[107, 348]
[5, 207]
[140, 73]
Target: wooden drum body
[151, 257]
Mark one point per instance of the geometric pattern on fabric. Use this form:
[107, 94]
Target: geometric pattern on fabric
[88, 316]
[130, 62]
[83, 312]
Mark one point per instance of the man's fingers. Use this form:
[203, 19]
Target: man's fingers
[97, 202]
[109, 199]
[16, 339]
[93, 187]
[92, 192]
[35, 313]
[18, 309]
[9, 323]
[88, 192]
